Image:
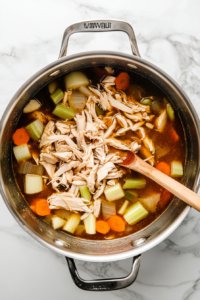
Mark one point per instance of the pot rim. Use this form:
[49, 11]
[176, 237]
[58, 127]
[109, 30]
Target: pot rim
[49, 69]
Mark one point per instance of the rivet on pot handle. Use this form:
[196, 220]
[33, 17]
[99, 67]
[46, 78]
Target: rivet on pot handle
[104, 284]
[99, 26]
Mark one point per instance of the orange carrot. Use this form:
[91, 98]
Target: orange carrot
[21, 137]
[163, 167]
[102, 227]
[122, 81]
[116, 223]
[174, 136]
[40, 207]
[165, 198]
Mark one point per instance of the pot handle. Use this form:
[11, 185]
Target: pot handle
[100, 285]
[99, 26]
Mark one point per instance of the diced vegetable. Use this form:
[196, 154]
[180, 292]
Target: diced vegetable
[170, 112]
[35, 129]
[85, 193]
[145, 153]
[176, 169]
[64, 112]
[21, 152]
[161, 121]
[163, 167]
[156, 107]
[32, 106]
[57, 96]
[131, 195]
[27, 168]
[150, 202]
[72, 223]
[139, 183]
[33, 184]
[62, 213]
[160, 152]
[114, 192]
[90, 224]
[84, 90]
[102, 227]
[165, 198]
[57, 222]
[99, 110]
[173, 135]
[79, 229]
[47, 219]
[75, 80]
[135, 213]
[122, 81]
[123, 207]
[21, 137]
[116, 223]
[52, 87]
[40, 207]
[146, 101]
[108, 209]
[77, 101]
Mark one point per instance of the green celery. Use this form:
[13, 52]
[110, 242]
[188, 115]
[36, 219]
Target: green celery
[114, 192]
[135, 213]
[123, 207]
[85, 193]
[146, 101]
[176, 169]
[57, 96]
[72, 223]
[64, 112]
[170, 112]
[131, 195]
[35, 129]
[134, 184]
[90, 224]
[99, 110]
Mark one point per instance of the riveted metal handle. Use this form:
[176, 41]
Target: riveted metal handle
[99, 26]
[100, 285]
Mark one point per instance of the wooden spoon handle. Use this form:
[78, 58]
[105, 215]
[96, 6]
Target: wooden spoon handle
[165, 181]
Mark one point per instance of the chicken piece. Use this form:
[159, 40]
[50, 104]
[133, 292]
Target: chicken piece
[109, 79]
[119, 105]
[91, 178]
[62, 127]
[71, 203]
[69, 176]
[118, 97]
[80, 121]
[66, 167]
[74, 190]
[100, 190]
[100, 154]
[90, 125]
[104, 170]
[104, 103]
[50, 169]
[110, 70]
[121, 120]
[149, 144]
[110, 129]
[79, 182]
[64, 156]
[116, 144]
[66, 96]
[111, 182]
[149, 125]
[108, 87]
[97, 208]
[145, 153]
[91, 161]
[63, 180]
[135, 117]
[53, 138]
[48, 130]
[38, 115]
[49, 158]
[91, 108]
[117, 174]
[81, 140]
[135, 147]
[147, 117]
[35, 156]
[74, 131]
[131, 127]
[141, 133]
[82, 165]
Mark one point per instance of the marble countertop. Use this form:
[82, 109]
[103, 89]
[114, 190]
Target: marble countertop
[168, 35]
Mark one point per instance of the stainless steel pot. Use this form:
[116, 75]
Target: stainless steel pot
[108, 250]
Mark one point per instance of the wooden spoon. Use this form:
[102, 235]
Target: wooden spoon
[135, 163]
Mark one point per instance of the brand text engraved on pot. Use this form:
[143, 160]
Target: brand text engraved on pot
[97, 25]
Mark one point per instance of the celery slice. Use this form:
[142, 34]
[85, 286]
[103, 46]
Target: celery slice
[146, 101]
[33, 184]
[99, 110]
[72, 223]
[134, 183]
[135, 213]
[57, 96]
[85, 193]
[156, 106]
[90, 224]
[123, 207]
[75, 80]
[64, 112]
[176, 169]
[114, 192]
[131, 195]
[170, 112]
[21, 152]
[35, 129]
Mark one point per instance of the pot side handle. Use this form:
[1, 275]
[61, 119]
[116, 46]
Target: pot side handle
[100, 285]
[99, 26]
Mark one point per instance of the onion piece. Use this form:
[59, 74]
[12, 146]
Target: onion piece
[75, 80]
[108, 209]
[151, 202]
[77, 101]
[32, 106]
[57, 222]
[85, 91]
[72, 223]
[21, 152]
[33, 184]
[28, 168]
[52, 87]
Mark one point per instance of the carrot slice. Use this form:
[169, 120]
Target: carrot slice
[174, 136]
[40, 207]
[21, 137]
[122, 81]
[116, 223]
[165, 198]
[164, 168]
[102, 227]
